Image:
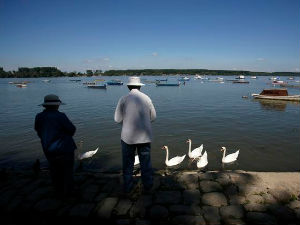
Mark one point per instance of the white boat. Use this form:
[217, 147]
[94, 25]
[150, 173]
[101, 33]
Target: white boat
[220, 78]
[274, 78]
[46, 81]
[198, 77]
[240, 77]
[278, 82]
[21, 85]
[253, 77]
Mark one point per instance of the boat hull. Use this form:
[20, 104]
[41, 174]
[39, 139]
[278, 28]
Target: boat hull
[162, 85]
[97, 86]
[284, 98]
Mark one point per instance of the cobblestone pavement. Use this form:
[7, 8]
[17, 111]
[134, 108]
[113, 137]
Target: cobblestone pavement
[189, 198]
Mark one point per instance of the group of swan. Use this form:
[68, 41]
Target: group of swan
[195, 154]
[202, 160]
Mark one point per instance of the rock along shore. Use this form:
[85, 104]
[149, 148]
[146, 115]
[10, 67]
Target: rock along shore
[189, 198]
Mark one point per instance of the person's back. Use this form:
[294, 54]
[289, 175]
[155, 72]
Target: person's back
[55, 131]
[52, 125]
[136, 112]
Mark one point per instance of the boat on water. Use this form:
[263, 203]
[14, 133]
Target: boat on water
[21, 85]
[240, 77]
[97, 86]
[276, 94]
[89, 83]
[184, 79]
[253, 77]
[46, 81]
[291, 78]
[162, 79]
[274, 78]
[18, 82]
[275, 82]
[198, 77]
[114, 82]
[167, 84]
[240, 82]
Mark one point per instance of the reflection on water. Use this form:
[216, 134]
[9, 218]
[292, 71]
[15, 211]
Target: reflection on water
[277, 105]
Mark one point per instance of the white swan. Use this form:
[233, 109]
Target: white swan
[174, 161]
[229, 158]
[88, 154]
[196, 153]
[136, 160]
[202, 162]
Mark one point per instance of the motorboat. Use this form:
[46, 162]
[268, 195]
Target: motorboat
[276, 94]
[198, 77]
[97, 86]
[167, 84]
[241, 77]
[184, 79]
[114, 82]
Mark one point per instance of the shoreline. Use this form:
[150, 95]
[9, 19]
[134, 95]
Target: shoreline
[193, 197]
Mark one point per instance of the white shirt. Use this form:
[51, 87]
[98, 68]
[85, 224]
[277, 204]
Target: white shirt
[136, 112]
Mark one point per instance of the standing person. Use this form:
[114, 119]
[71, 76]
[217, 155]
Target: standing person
[136, 112]
[55, 131]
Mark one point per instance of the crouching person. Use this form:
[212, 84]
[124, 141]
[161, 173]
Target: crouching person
[56, 131]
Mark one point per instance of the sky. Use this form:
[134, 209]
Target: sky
[75, 35]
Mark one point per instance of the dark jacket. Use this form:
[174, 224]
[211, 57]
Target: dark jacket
[53, 126]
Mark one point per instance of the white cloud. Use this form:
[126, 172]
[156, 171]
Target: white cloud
[154, 54]
[106, 59]
[297, 69]
[260, 59]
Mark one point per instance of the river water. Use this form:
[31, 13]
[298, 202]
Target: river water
[210, 113]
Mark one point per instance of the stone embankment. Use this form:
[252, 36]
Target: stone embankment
[187, 198]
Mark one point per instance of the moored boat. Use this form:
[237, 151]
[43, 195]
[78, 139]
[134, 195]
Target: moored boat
[278, 82]
[97, 86]
[162, 79]
[240, 77]
[276, 94]
[240, 82]
[114, 82]
[167, 84]
[184, 79]
[21, 85]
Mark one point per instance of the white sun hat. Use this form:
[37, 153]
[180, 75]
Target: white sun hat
[134, 81]
[51, 100]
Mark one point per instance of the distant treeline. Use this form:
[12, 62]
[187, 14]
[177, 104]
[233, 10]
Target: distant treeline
[54, 72]
[154, 72]
[44, 72]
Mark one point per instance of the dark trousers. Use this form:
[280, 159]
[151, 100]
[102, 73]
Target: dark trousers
[61, 171]
[128, 155]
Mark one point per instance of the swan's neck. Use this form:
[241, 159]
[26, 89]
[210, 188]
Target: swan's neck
[190, 146]
[167, 155]
[224, 152]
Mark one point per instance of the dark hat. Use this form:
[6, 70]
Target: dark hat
[51, 100]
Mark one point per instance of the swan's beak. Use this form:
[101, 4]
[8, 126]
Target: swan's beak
[163, 148]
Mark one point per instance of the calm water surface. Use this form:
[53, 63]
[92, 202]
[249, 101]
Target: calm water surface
[214, 114]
